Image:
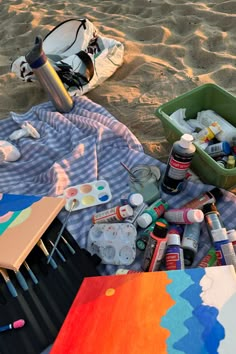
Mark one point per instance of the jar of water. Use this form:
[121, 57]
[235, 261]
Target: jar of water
[145, 180]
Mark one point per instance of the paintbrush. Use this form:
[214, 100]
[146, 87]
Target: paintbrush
[74, 202]
[58, 252]
[31, 273]
[8, 282]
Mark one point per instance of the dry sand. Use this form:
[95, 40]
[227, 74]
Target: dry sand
[171, 46]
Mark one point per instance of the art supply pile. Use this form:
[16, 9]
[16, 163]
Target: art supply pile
[168, 238]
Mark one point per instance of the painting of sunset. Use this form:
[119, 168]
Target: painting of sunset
[185, 311]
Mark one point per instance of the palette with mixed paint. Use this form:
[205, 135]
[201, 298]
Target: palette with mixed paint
[87, 195]
[113, 243]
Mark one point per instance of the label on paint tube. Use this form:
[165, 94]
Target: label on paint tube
[210, 260]
[154, 254]
[157, 256]
[174, 258]
[225, 253]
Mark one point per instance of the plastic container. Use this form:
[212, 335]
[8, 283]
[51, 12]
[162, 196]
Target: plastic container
[208, 96]
[113, 243]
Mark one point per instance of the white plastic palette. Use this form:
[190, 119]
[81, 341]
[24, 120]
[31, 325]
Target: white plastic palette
[113, 243]
[87, 195]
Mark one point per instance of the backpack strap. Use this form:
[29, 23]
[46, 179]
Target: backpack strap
[75, 79]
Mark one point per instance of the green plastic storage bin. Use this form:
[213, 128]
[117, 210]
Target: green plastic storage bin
[208, 96]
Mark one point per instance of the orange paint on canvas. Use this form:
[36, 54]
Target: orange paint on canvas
[104, 320]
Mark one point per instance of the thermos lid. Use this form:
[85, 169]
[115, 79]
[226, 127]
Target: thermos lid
[36, 57]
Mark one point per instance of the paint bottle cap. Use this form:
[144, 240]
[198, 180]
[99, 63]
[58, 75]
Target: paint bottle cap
[160, 229]
[173, 239]
[231, 235]
[188, 257]
[195, 215]
[219, 234]
[216, 192]
[186, 141]
[144, 220]
[126, 211]
[135, 199]
[209, 208]
[215, 128]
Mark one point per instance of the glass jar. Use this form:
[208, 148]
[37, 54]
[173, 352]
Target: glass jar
[144, 180]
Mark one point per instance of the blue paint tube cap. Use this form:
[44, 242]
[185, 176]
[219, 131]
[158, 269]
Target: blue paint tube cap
[226, 147]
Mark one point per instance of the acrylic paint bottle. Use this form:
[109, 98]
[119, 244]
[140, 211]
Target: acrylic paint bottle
[179, 161]
[184, 216]
[230, 162]
[212, 218]
[133, 199]
[219, 149]
[116, 214]
[174, 257]
[152, 213]
[222, 161]
[208, 133]
[210, 259]
[206, 198]
[224, 249]
[143, 235]
[232, 238]
[190, 242]
[155, 249]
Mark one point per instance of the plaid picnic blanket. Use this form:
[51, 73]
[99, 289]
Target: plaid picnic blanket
[81, 146]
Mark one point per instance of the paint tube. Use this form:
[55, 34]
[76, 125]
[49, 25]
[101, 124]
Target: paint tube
[116, 214]
[184, 216]
[206, 198]
[209, 260]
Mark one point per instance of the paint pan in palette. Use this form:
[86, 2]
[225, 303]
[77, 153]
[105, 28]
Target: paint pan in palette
[87, 194]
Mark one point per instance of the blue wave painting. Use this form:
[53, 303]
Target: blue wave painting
[193, 326]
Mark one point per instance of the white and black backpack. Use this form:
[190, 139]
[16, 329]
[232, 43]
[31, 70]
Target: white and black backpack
[82, 57]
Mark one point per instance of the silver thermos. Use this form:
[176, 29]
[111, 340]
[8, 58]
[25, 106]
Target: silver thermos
[48, 77]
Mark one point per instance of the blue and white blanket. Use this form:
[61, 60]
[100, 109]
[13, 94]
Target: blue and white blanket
[79, 147]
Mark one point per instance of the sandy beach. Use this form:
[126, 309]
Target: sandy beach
[171, 47]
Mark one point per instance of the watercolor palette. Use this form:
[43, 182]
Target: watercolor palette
[113, 243]
[87, 195]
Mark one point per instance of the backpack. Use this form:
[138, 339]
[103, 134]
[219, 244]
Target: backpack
[82, 57]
